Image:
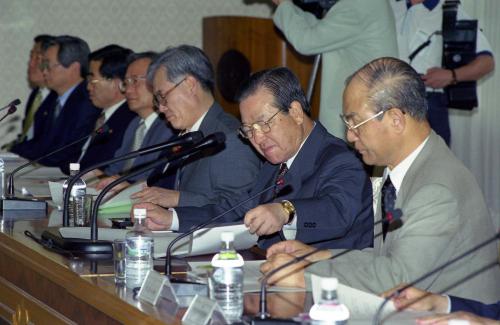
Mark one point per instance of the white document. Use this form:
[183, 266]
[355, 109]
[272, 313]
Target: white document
[204, 241]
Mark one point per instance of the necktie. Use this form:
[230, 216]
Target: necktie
[57, 110]
[30, 116]
[136, 144]
[98, 124]
[388, 201]
[281, 173]
[178, 173]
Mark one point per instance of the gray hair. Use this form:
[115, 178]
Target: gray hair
[393, 83]
[181, 61]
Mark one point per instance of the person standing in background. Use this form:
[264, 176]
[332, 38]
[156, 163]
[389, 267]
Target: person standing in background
[419, 21]
[351, 34]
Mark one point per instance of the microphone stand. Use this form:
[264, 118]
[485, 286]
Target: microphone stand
[13, 203]
[263, 314]
[168, 254]
[94, 246]
[376, 318]
[187, 139]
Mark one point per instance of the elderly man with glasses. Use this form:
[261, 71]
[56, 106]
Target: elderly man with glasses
[326, 196]
[443, 210]
[183, 81]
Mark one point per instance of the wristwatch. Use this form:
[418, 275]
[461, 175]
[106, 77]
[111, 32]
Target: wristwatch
[289, 209]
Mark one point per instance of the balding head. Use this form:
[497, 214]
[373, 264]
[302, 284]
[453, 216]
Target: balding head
[393, 83]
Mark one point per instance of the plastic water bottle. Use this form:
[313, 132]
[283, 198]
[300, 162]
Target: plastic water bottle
[76, 206]
[329, 310]
[226, 279]
[2, 179]
[138, 251]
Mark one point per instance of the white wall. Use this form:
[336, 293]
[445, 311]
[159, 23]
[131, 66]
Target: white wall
[138, 24]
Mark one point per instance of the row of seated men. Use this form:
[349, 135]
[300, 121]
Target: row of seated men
[326, 199]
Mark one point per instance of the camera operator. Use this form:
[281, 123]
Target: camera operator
[419, 21]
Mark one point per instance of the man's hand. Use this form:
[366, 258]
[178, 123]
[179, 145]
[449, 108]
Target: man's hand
[285, 251]
[438, 78]
[461, 315]
[417, 299]
[157, 195]
[266, 219]
[158, 218]
[277, 2]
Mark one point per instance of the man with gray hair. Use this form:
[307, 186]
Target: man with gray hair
[183, 82]
[444, 213]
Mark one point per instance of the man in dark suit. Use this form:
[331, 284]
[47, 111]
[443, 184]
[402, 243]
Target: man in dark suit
[183, 81]
[145, 130]
[39, 92]
[447, 307]
[68, 116]
[107, 71]
[327, 198]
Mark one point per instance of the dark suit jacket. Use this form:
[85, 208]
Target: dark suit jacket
[327, 185]
[219, 174]
[23, 149]
[76, 119]
[157, 133]
[489, 311]
[104, 146]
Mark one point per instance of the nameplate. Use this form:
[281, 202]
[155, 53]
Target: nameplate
[200, 311]
[152, 287]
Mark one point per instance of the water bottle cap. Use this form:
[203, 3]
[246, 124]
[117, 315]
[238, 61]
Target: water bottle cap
[139, 213]
[329, 284]
[74, 166]
[227, 236]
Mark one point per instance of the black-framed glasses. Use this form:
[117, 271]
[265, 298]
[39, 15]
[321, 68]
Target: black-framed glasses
[161, 99]
[131, 81]
[248, 130]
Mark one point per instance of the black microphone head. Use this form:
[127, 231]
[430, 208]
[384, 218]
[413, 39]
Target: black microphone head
[15, 102]
[103, 129]
[12, 109]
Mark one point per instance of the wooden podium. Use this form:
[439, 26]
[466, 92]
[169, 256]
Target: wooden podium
[238, 46]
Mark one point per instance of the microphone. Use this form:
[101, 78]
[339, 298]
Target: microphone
[389, 218]
[15, 102]
[174, 146]
[376, 318]
[168, 254]
[96, 247]
[12, 110]
[13, 203]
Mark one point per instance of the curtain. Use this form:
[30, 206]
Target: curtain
[476, 134]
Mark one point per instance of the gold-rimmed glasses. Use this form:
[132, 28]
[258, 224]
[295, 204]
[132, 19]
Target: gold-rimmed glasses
[130, 81]
[248, 130]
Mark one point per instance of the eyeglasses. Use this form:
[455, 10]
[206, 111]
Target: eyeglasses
[95, 81]
[354, 128]
[130, 81]
[248, 130]
[161, 99]
[45, 65]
